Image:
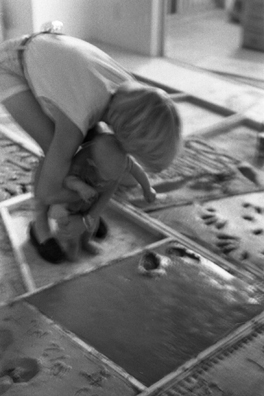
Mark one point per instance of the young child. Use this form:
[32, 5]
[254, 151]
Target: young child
[96, 171]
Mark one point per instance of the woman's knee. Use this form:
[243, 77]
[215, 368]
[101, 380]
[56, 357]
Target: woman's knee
[26, 111]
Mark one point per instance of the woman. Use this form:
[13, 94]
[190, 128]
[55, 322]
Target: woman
[57, 88]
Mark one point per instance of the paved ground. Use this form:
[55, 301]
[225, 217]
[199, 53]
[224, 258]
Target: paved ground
[11, 284]
[211, 42]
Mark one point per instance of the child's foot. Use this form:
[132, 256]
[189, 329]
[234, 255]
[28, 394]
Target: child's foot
[90, 247]
[73, 249]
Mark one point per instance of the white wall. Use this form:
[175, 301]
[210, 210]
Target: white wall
[75, 15]
[136, 25]
[16, 18]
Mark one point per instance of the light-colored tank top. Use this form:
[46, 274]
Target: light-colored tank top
[72, 75]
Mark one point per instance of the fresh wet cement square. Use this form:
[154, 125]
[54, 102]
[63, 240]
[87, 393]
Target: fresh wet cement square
[235, 369]
[151, 325]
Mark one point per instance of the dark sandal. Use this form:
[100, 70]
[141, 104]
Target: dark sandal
[49, 250]
[102, 230]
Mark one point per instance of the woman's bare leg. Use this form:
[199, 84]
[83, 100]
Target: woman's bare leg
[27, 112]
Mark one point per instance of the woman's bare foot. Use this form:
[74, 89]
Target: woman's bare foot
[50, 250]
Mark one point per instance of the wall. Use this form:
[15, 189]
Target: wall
[75, 15]
[16, 18]
[190, 7]
[136, 25]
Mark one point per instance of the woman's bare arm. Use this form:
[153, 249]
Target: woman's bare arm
[57, 162]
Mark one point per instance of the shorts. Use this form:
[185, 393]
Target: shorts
[12, 79]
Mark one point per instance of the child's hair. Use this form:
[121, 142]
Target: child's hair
[146, 123]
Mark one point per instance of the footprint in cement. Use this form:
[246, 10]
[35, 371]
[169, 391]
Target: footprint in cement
[20, 369]
[248, 217]
[85, 391]
[177, 250]
[153, 264]
[210, 217]
[95, 379]
[257, 231]
[244, 255]
[227, 243]
[256, 208]
[5, 384]
[60, 369]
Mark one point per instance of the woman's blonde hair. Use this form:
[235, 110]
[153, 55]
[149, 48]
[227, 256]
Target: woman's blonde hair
[146, 123]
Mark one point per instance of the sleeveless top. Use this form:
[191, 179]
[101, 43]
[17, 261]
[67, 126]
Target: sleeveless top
[72, 75]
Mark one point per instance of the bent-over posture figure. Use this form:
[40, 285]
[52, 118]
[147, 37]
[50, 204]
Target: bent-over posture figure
[59, 87]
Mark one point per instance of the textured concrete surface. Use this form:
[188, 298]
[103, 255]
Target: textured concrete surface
[225, 93]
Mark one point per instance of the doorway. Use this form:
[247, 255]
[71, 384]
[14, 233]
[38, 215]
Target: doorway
[199, 29]
[208, 35]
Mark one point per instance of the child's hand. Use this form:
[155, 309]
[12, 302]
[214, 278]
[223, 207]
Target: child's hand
[86, 193]
[73, 229]
[58, 212]
[150, 196]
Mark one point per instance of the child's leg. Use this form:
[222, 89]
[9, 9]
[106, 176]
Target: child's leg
[72, 249]
[26, 111]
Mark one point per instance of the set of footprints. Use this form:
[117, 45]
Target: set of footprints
[252, 217]
[14, 370]
[54, 361]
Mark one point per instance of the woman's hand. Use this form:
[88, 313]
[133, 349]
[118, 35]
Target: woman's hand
[49, 183]
[150, 195]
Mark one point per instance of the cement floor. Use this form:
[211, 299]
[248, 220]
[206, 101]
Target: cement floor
[227, 91]
[212, 42]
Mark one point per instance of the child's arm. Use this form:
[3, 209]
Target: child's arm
[92, 217]
[140, 175]
[85, 191]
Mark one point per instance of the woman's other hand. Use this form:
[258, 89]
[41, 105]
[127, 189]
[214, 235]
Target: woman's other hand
[150, 196]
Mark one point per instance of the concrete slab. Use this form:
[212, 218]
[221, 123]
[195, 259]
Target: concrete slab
[127, 233]
[231, 227]
[243, 68]
[37, 357]
[148, 324]
[234, 368]
[195, 117]
[213, 42]
[181, 77]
